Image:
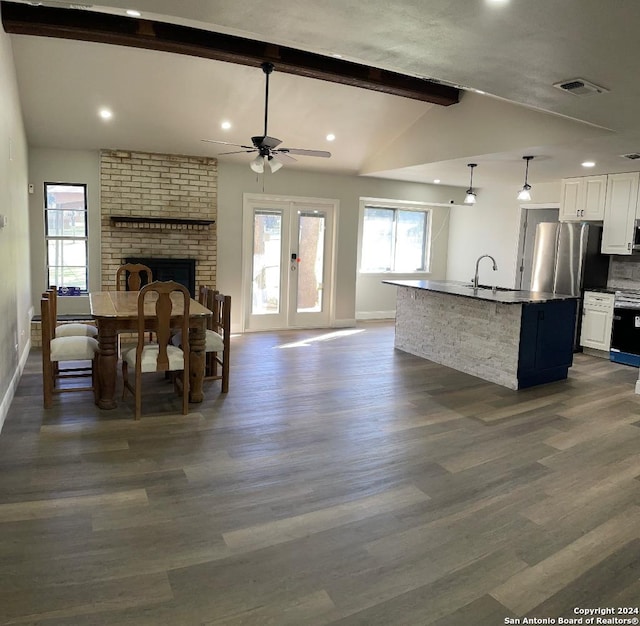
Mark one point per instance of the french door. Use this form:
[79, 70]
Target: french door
[288, 262]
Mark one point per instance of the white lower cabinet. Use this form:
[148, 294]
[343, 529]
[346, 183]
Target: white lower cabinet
[597, 319]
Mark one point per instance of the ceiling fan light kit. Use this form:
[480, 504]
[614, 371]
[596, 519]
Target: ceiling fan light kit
[525, 192]
[267, 147]
[257, 165]
[470, 198]
[274, 165]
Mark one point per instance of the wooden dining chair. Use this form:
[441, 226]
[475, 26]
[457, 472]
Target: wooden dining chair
[160, 356]
[218, 336]
[218, 343]
[56, 350]
[128, 276]
[70, 329]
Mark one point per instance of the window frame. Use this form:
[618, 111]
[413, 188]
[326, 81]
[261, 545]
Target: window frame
[395, 206]
[48, 238]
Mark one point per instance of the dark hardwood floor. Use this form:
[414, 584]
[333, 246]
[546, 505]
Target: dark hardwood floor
[338, 482]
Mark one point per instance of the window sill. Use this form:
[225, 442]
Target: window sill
[392, 273]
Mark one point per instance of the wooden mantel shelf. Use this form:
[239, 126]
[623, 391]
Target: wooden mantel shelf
[167, 223]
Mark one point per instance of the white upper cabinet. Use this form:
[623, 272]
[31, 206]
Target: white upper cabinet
[595, 192]
[569, 204]
[620, 213]
[583, 198]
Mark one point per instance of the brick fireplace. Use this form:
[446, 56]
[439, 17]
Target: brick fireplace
[158, 206]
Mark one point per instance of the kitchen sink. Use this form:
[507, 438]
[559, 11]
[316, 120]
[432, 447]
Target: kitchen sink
[497, 288]
[492, 288]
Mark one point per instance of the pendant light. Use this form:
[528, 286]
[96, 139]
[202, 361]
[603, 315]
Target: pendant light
[525, 191]
[470, 198]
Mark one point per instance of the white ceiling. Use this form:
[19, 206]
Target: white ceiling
[513, 50]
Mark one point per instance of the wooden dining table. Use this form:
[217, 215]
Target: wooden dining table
[117, 311]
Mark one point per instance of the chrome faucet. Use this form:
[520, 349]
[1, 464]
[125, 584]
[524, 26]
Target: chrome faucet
[495, 268]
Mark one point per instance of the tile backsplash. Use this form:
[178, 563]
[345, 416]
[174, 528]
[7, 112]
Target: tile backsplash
[624, 272]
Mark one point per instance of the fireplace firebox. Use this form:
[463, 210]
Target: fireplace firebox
[183, 271]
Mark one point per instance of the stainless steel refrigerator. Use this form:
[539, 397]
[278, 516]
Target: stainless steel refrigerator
[567, 260]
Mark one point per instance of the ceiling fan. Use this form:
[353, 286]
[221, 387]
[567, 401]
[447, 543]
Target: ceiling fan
[267, 147]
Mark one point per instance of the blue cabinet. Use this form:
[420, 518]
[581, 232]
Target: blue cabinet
[546, 342]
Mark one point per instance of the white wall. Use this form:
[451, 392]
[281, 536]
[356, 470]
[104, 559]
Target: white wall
[234, 180]
[63, 166]
[15, 288]
[491, 226]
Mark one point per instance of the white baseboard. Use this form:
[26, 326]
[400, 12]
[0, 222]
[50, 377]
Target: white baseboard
[344, 323]
[13, 385]
[376, 315]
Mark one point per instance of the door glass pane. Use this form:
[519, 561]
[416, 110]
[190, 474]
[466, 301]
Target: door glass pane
[311, 266]
[267, 253]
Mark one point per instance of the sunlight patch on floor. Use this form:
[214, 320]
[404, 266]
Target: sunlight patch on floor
[337, 334]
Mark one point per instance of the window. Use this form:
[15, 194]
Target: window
[65, 218]
[395, 239]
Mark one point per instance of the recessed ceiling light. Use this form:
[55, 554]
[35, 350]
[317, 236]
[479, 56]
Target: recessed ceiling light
[336, 56]
[436, 181]
[498, 2]
[589, 164]
[330, 137]
[105, 114]
[133, 13]
[225, 125]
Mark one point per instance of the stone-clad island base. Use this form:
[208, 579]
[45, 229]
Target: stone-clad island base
[516, 339]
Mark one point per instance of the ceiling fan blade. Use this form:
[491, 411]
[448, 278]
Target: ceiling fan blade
[227, 143]
[238, 152]
[301, 152]
[263, 141]
[282, 157]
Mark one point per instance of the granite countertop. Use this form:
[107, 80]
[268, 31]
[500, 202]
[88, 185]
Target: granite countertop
[501, 295]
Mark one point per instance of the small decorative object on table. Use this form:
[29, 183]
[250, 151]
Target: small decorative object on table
[68, 291]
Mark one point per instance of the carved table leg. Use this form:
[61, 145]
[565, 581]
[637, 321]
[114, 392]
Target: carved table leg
[108, 360]
[197, 338]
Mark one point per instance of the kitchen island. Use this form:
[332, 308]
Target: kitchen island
[509, 337]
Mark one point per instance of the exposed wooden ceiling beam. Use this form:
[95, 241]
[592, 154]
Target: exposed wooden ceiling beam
[45, 21]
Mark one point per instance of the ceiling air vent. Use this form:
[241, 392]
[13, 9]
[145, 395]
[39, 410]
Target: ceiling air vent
[633, 156]
[579, 87]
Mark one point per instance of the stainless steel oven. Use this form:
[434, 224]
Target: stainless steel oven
[625, 334]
